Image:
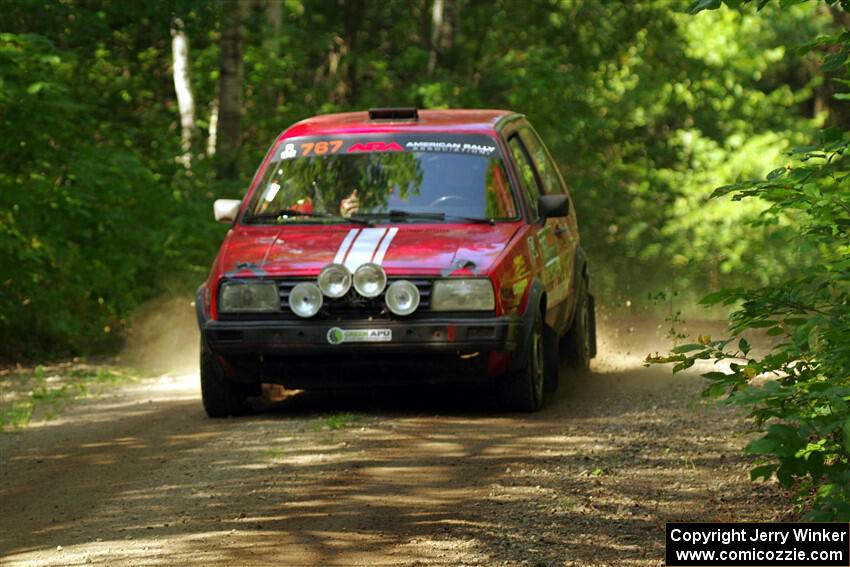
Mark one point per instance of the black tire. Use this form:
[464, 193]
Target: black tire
[221, 397]
[578, 346]
[552, 356]
[522, 390]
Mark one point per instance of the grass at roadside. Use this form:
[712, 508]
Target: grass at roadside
[335, 421]
[30, 394]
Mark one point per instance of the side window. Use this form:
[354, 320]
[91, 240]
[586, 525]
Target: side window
[545, 167]
[528, 178]
[500, 199]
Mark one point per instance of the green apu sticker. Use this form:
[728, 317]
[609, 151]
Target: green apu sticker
[338, 336]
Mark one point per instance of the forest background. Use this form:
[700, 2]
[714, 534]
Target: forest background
[122, 122]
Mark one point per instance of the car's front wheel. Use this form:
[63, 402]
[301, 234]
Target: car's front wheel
[522, 390]
[221, 397]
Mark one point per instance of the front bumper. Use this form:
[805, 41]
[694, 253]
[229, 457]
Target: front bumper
[418, 336]
[298, 354]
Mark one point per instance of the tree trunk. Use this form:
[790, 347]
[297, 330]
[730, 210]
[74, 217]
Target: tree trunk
[212, 135]
[353, 19]
[274, 15]
[183, 88]
[229, 92]
[436, 30]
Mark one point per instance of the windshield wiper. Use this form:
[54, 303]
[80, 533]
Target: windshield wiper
[295, 213]
[397, 214]
[476, 220]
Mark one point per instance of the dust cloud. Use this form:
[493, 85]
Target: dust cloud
[164, 337]
[623, 343]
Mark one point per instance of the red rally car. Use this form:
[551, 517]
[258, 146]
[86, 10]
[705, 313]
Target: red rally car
[396, 246]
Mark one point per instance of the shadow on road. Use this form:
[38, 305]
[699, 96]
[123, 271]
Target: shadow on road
[406, 475]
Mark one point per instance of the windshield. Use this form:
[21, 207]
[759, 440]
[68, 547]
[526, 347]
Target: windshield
[414, 178]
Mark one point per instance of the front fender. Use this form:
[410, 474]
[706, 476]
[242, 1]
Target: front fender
[532, 311]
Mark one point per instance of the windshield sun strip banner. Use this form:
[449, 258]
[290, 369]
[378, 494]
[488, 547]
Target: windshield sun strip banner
[318, 146]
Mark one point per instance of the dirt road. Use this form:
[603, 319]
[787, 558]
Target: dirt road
[407, 477]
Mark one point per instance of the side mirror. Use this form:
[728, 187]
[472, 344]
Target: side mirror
[553, 206]
[225, 210]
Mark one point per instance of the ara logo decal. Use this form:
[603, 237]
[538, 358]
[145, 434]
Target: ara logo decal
[288, 152]
[375, 147]
[338, 336]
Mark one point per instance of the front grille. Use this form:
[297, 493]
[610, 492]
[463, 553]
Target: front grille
[351, 306]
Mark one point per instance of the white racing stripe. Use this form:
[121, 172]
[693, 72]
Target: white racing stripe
[346, 244]
[385, 243]
[363, 249]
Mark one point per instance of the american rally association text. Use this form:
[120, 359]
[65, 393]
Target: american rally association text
[726, 536]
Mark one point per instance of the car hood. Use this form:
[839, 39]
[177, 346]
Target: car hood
[401, 249]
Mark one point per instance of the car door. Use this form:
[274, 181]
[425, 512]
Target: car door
[543, 242]
[565, 230]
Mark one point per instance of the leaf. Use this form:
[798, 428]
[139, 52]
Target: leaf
[760, 324]
[826, 490]
[717, 375]
[688, 348]
[785, 475]
[714, 391]
[831, 134]
[781, 440]
[763, 446]
[805, 47]
[744, 346]
[699, 5]
[35, 88]
[834, 61]
[776, 173]
[715, 297]
[763, 471]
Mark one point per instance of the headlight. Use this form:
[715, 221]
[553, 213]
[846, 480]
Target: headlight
[370, 280]
[335, 280]
[246, 295]
[402, 297]
[305, 299]
[462, 295]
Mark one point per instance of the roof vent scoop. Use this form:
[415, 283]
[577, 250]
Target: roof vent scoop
[393, 114]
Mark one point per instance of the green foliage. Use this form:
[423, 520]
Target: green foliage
[30, 393]
[645, 108]
[335, 421]
[798, 391]
[88, 228]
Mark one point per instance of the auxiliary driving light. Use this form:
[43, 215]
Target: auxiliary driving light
[370, 280]
[305, 299]
[334, 280]
[402, 297]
